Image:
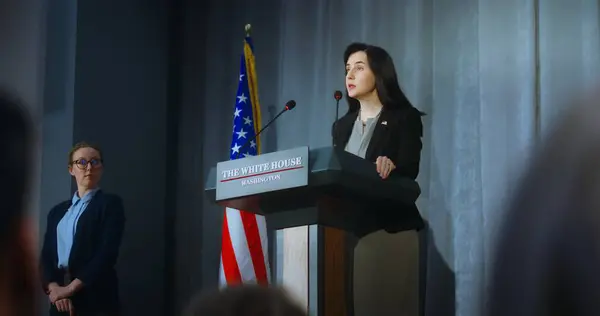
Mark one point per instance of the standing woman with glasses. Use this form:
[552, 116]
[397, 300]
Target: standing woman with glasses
[82, 242]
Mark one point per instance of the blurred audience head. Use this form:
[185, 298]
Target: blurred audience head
[17, 236]
[547, 258]
[247, 300]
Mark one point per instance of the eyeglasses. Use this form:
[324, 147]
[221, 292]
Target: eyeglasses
[83, 163]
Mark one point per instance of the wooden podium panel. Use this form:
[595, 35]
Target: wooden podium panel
[336, 268]
[311, 262]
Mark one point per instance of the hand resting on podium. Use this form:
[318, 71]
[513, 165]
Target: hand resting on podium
[384, 166]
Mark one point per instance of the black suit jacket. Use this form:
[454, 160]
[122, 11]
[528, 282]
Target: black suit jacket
[397, 135]
[93, 255]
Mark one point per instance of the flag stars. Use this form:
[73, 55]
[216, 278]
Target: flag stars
[247, 155]
[235, 148]
[247, 120]
[237, 112]
[242, 98]
[241, 133]
[241, 76]
[252, 144]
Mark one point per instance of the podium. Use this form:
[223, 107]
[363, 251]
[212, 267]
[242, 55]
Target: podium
[313, 199]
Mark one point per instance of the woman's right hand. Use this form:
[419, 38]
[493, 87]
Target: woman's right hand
[51, 287]
[65, 305]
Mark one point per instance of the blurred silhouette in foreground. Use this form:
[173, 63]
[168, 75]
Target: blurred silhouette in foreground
[247, 300]
[17, 233]
[548, 256]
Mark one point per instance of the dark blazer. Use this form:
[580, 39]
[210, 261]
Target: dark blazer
[397, 135]
[93, 255]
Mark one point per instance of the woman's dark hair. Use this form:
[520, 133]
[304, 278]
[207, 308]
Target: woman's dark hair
[15, 161]
[244, 300]
[386, 80]
[16, 264]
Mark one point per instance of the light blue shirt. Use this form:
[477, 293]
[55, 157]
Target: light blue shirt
[65, 231]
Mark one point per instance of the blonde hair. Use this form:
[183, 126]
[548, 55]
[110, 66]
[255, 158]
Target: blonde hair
[83, 145]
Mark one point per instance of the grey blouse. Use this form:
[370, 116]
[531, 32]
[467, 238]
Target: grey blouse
[360, 137]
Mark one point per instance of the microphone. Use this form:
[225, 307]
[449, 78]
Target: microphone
[288, 106]
[338, 96]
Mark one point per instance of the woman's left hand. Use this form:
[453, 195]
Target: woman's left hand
[384, 166]
[59, 292]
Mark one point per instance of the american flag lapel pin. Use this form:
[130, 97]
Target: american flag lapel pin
[384, 123]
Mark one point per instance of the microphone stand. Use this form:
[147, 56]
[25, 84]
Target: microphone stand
[337, 110]
[260, 131]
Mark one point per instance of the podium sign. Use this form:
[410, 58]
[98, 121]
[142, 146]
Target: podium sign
[263, 173]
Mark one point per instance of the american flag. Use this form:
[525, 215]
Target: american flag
[244, 247]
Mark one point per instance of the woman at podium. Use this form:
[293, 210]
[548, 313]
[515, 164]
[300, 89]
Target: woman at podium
[381, 126]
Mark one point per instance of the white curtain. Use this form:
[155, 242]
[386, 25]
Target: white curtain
[490, 74]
